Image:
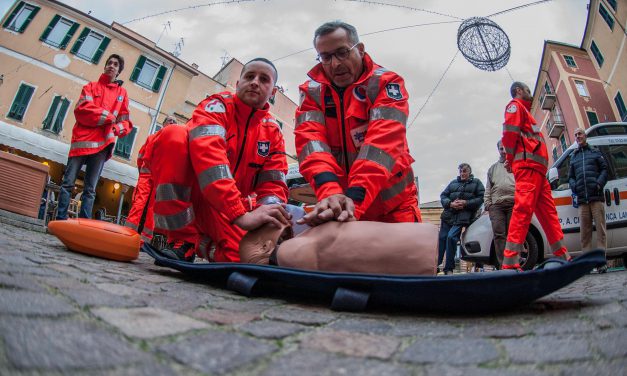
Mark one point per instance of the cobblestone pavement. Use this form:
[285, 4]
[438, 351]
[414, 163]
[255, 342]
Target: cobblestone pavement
[65, 313]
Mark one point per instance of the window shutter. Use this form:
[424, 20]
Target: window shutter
[7, 22]
[48, 120]
[69, 35]
[21, 101]
[29, 19]
[100, 50]
[46, 32]
[159, 79]
[138, 68]
[58, 124]
[79, 42]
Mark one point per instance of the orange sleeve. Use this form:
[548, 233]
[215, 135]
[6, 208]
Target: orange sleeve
[512, 130]
[88, 114]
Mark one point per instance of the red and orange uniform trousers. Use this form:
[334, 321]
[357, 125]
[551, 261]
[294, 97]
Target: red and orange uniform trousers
[142, 207]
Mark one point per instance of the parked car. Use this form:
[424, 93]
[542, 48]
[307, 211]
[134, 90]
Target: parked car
[611, 139]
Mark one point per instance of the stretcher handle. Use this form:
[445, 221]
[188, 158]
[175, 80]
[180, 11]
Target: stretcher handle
[241, 283]
[349, 300]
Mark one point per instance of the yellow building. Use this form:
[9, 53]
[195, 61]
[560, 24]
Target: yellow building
[49, 51]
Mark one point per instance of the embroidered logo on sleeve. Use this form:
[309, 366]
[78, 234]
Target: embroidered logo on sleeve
[263, 148]
[512, 108]
[394, 91]
[215, 105]
[120, 98]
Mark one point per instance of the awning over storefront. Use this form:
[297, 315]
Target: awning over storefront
[57, 151]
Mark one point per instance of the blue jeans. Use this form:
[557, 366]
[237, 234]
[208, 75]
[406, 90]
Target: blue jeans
[93, 168]
[447, 242]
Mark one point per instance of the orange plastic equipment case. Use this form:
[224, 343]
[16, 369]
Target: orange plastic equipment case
[97, 238]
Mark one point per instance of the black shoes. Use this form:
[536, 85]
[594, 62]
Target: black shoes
[178, 251]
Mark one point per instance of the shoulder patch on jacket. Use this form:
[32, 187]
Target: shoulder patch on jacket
[394, 91]
[512, 108]
[263, 148]
[215, 105]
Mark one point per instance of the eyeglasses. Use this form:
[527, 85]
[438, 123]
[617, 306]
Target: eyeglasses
[341, 54]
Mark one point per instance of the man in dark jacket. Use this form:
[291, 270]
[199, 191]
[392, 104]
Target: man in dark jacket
[587, 177]
[460, 200]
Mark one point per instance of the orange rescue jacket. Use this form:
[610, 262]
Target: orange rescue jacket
[101, 114]
[522, 139]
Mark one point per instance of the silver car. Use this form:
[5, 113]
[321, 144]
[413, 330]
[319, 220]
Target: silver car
[611, 139]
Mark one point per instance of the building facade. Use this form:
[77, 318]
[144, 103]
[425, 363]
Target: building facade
[49, 51]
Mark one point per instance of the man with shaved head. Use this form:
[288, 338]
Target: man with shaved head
[224, 173]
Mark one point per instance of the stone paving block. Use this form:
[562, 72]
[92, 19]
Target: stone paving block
[454, 351]
[224, 317]
[182, 302]
[300, 316]
[572, 325]
[495, 329]
[217, 352]
[481, 371]
[611, 343]
[425, 328]
[606, 368]
[16, 260]
[147, 322]
[153, 368]
[547, 349]
[120, 289]
[272, 329]
[314, 363]
[36, 270]
[64, 345]
[352, 344]
[20, 282]
[251, 305]
[93, 297]
[362, 325]
[33, 303]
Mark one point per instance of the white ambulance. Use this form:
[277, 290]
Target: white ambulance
[611, 140]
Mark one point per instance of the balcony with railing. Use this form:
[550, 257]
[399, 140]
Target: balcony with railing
[555, 125]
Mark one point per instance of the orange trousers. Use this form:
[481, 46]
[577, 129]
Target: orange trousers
[532, 195]
[142, 207]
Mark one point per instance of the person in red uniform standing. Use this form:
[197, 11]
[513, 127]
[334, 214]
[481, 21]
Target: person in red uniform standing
[350, 134]
[224, 173]
[101, 114]
[141, 217]
[527, 157]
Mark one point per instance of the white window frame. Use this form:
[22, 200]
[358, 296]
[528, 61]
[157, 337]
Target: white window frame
[154, 75]
[57, 113]
[13, 25]
[56, 44]
[79, 53]
[571, 58]
[582, 89]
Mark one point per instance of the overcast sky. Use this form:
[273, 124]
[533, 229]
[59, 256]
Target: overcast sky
[462, 120]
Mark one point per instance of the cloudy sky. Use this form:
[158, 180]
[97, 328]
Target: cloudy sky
[462, 120]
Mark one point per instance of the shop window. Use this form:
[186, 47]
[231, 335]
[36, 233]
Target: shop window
[21, 16]
[56, 115]
[20, 102]
[598, 56]
[59, 32]
[148, 74]
[124, 145]
[90, 45]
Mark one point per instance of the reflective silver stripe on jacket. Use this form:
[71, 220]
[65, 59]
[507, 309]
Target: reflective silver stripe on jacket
[115, 113]
[557, 245]
[123, 117]
[120, 127]
[533, 157]
[514, 246]
[226, 96]
[147, 231]
[175, 221]
[511, 128]
[510, 261]
[397, 188]
[372, 88]
[314, 91]
[270, 120]
[316, 116]
[388, 113]
[510, 150]
[313, 147]
[374, 154]
[144, 170]
[207, 130]
[268, 200]
[145, 238]
[130, 225]
[168, 192]
[89, 98]
[213, 174]
[534, 136]
[86, 145]
[103, 117]
[270, 175]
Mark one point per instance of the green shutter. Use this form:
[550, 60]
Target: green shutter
[79, 42]
[69, 35]
[7, 22]
[51, 25]
[58, 124]
[48, 120]
[29, 19]
[18, 108]
[138, 68]
[159, 80]
[101, 49]
[124, 144]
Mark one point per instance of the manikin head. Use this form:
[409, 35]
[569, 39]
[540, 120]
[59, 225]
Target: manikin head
[257, 245]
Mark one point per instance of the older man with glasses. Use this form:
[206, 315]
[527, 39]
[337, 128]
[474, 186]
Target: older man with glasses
[350, 134]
